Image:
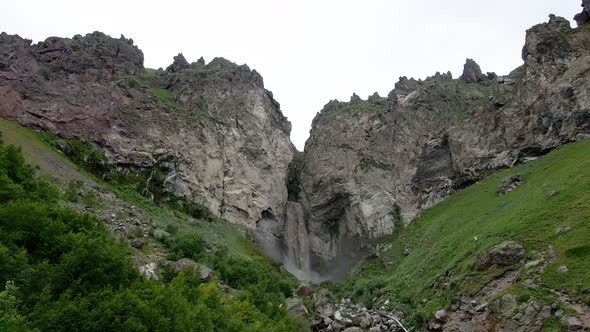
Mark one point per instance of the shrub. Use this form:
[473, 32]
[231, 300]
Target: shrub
[189, 245]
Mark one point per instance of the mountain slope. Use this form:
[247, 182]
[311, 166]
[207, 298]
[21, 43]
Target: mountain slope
[371, 165]
[169, 248]
[433, 262]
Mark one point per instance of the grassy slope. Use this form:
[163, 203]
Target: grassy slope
[440, 267]
[54, 164]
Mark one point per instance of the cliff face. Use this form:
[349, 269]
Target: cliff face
[217, 134]
[372, 165]
[369, 166]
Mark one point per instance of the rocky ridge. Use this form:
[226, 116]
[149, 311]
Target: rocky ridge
[370, 166]
[213, 132]
[217, 137]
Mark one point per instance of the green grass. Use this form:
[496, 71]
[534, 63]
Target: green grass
[165, 96]
[441, 265]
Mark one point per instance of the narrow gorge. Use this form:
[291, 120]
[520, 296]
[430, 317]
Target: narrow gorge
[211, 134]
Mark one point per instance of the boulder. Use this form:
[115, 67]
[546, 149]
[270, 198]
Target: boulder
[441, 315]
[205, 273]
[507, 306]
[304, 291]
[503, 254]
[508, 184]
[572, 323]
[295, 306]
[342, 317]
[137, 243]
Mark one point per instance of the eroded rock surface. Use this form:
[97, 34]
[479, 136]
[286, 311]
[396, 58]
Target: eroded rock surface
[372, 165]
[213, 129]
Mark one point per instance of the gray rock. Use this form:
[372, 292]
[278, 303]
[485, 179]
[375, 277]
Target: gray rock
[572, 323]
[205, 273]
[366, 321]
[562, 269]
[183, 264]
[508, 184]
[545, 312]
[441, 315]
[472, 72]
[179, 64]
[503, 254]
[326, 310]
[407, 251]
[353, 329]
[295, 306]
[137, 243]
[508, 305]
[342, 318]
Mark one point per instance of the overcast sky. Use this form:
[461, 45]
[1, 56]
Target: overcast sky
[308, 51]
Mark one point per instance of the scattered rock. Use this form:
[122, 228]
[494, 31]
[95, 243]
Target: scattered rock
[434, 325]
[545, 312]
[149, 271]
[481, 307]
[441, 315]
[353, 329]
[137, 243]
[508, 305]
[562, 230]
[304, 291]
[339, 317]
[504, 254]
[508, 184]
[295, 306]
[562, 269]
[205, 273]
[552, 193]
[572, 323]
[407, 251]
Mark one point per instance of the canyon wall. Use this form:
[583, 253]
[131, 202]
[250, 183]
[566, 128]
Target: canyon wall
[369, 167]
[213, 129]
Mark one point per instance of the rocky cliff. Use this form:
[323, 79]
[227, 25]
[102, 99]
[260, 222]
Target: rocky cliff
[218, 138]
[212, 130]
[371, 165]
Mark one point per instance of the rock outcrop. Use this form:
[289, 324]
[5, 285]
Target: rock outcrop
[372, 165]
[214, 131]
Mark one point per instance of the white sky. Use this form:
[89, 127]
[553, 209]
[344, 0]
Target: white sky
[307, 51]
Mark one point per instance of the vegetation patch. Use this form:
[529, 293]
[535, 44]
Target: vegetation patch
[63, 270]
[446, 238]
[165, 96]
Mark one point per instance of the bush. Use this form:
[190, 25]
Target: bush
[64, 271]
[190, 245]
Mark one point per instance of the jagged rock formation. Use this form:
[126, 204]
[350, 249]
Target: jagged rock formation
[216, 133]
[369, 165]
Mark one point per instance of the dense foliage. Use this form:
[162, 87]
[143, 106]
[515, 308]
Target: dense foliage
[61, 270]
